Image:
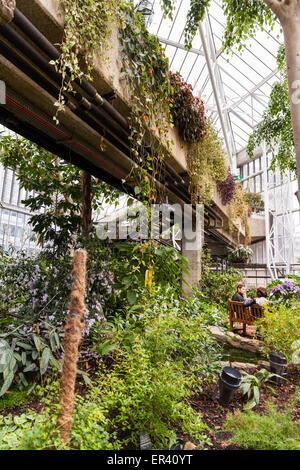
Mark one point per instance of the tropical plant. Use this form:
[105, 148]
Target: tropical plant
[56, 191]
[145, 68]
[87, 29]
[239, 211]
[251, 385]
[217, 288]
[28, 352]
[255, 201]
[240, 255]
[275, 128]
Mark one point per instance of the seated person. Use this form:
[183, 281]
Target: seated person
[262, 295]
[239, 296]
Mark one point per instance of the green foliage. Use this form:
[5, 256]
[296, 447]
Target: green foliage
[276, 126]
[23, 353]
[243, 20]
[16, 398]
[240, 255]
[160, 351]
[255, 201]
[87, 30]
[280, 327]
[12, 429]
[251, 385]
[157, 359]
[133, 259]
[207, 165]
[56, 191]
[274, 430]
[217, 288]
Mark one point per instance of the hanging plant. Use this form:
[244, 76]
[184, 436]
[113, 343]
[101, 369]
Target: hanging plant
[227, 188]
[207, 165]
[146, 69]
[187, 110]
[87, 29]
[239, 209]
[255, 201]
[241, 255]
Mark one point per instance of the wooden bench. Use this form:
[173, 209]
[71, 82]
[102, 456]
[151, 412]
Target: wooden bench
[245, 315]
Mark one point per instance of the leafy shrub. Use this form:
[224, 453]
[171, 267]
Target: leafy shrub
[273, 430]
[255, 201]
[23, 353]
[218, 288]
[206, 165]
[251, 385]
[280, 327]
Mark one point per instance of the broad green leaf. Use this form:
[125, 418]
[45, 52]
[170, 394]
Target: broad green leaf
[44, 360]
[7, 383]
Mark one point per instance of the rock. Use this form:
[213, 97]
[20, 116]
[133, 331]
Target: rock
[236, 341]
[189, 446]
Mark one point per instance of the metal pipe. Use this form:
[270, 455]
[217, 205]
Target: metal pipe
[38, 38]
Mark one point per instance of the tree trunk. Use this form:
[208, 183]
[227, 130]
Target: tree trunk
[292, 47]
[86, 203]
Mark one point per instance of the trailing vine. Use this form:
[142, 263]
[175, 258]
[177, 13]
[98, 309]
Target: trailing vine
[207, 165]
[240, 209]
[187, 110]
[146, 70]
[226, 188]
[87, 30]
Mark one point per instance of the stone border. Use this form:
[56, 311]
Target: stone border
[236, 341]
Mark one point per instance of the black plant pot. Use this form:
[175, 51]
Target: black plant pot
[279, 366]
[229, 382]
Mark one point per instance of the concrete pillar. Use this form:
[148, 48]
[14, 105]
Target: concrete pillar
[192, 243]
[7, 8]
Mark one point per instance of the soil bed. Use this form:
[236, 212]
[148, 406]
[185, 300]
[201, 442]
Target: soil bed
[214, 414]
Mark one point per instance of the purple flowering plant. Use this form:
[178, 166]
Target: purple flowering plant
[285, 293]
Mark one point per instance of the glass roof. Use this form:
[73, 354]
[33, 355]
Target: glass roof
[235, 87]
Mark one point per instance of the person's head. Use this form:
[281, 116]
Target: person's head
[261, 292]
[241, 288]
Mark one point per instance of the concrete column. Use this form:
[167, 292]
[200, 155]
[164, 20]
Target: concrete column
[7, 8]
[192, 243]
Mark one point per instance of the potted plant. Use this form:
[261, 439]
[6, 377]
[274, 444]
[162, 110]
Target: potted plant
[241, 255]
